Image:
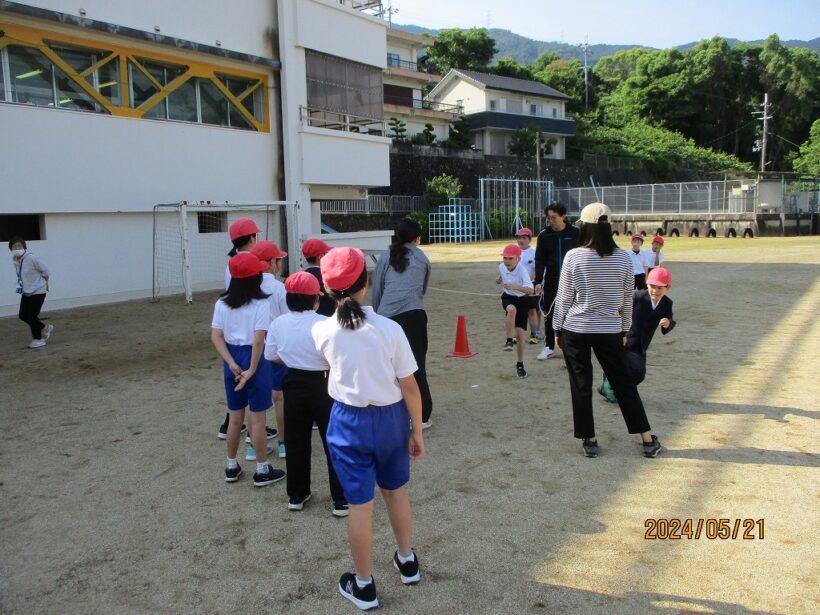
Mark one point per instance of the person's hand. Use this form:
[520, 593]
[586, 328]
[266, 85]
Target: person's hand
[508, 286]
[624, 340]
[665, 323]
[416, 445]
[242, 379]
[558, 343]
[498, 279]
[537, 289]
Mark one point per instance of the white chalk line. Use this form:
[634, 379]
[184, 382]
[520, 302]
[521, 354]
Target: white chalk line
[463, 292]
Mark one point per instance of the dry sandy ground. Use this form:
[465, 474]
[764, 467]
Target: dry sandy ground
[112, 498]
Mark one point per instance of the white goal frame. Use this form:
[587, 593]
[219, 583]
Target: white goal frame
[174, 241]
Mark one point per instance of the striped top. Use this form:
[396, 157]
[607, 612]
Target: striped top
[594, 293]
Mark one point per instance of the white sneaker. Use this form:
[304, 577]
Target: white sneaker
[37, 344]
[545, 354]
[47, 332]
[427, 424]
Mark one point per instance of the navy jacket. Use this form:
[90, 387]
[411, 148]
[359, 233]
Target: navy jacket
[645, 321]
[551, 249]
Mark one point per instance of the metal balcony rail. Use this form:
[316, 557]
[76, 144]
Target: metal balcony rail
[420, 103]
[374, 204]
[346, 122]
[419, 67]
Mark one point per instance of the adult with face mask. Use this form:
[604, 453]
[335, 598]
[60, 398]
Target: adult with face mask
[553, 244]
[32, 286]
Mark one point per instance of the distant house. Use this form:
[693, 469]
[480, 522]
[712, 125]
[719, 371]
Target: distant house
[498, 106]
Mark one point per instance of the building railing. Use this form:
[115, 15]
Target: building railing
[374, 204]
[420, 103]
[335, 120]
[419, 67]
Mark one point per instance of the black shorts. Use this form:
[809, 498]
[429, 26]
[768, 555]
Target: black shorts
[522, 306]
[640, 281]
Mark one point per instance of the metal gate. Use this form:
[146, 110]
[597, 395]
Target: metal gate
[510, 204]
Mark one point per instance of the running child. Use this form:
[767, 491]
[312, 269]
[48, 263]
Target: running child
[313, 250]
[653, 257]
[515, 301]
[240, 321]
[289, 341]
[650, 309]
[370, 438]
[523, 238]
[271, 256]
[637, 261]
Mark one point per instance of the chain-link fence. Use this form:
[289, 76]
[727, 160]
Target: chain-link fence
[507, 205]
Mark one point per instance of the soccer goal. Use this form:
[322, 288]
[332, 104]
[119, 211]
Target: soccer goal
[191, 241]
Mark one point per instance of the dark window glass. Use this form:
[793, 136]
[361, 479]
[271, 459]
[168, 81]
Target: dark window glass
[212, 221]
[182, 102]
[30, 227]
[30, 76]
[213, 104]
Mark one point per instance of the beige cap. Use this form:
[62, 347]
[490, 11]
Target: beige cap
[592, 213]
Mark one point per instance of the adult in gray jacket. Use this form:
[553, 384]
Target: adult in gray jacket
[399, 284]
[32, 286]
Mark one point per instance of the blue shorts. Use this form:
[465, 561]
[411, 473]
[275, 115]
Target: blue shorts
[369, 446]
[256, 392]
[278, 373]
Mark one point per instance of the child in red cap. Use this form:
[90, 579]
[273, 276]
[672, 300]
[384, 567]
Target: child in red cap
[313, 250]
[370, 438]
[523, 237]
[650, 309]
[515, 300]
[240, 321]
[653, 257]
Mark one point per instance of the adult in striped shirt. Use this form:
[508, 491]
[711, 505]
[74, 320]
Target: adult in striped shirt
[593, 312]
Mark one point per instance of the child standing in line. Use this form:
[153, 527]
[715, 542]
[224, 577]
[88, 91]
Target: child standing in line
[313, 250]
[271, 256]
[370, 437]
[653, 257]
[515, 301]
[307, 401]
[650, 309]
[240, 322]
[523, 238]
[637, 261]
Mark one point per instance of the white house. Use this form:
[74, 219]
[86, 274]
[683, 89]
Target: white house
[112, 108]
[498, 106]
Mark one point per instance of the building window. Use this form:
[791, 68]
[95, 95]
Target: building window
[343, 87]
[554, 112]
[536, 109]
[493, 105]
[30, 227]
[393, 59]
[212, 221]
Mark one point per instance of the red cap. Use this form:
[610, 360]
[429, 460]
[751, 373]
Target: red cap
[511, 250]
[267, 250]
[341, 267]
[658, 239]
[243, 227]
[245, 265]
[314, 247]
[637, 236]
[522, 232]
[659, 277]
[302, 283]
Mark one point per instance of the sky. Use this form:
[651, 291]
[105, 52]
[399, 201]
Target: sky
[653, 23]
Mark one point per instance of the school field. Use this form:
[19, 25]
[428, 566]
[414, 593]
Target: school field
[112, 497]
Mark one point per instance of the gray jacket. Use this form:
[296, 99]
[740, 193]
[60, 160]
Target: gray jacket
[396, 293]
[33, 273]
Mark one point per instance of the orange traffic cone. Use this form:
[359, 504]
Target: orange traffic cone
[461, 349]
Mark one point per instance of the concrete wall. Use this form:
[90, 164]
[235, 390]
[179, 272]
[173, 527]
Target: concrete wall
[473, 98]
[322, 25]
[334, 157]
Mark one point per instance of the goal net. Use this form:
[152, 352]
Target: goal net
[191, 241]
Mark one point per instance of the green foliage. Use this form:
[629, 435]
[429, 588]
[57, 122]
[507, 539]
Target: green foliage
[439, 189]
[459, 135]
[809, 160]
[510, 68]
[426, 136]
[567, 77]
[522, 142]
[471, 49]
[544, 59]
[423, 220]
[502, 221]
[398, 130]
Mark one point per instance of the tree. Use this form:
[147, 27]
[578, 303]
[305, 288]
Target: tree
[471, 49]
[522, 142]
[398, 130]
[460, 135]
[510, 68]
[426, 136]
[567, 77]
[809, 160]
[544, 59]
[440, 189]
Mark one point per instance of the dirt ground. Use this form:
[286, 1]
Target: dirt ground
[112, 497]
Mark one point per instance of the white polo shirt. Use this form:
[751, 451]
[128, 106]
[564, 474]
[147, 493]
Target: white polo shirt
[649, 258]
[517, 276]
[637, 261]
[273, 287]
[239, 325]
[289, 340]
[365, 364]
[528, 260]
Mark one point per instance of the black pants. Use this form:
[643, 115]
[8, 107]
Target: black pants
[640, 281]
[611, 354]
[414, 324]
[306, 400]
[30, 306]
[549, 290]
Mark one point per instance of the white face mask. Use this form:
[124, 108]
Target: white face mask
[17, 253]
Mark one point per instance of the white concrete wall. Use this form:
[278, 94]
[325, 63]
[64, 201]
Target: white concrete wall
[328, 27]
[340, 158]
[243, 26]
[473, 98]
[507, 101]
[406, 50]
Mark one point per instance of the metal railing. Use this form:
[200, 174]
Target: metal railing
[394, 62]
[374, 204]
[335, 120]
[420, 103]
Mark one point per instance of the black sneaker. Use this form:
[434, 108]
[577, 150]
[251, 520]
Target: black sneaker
[297, 502]
[222, 434]
[520, 371]
[232, 474]
[409, 571]
[508, 345]
[340, 509]
[270, 431]
[363, 597]
[271, 475]
[652, 449]
[590, 447]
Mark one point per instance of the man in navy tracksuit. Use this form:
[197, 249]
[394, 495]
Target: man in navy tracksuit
[553, 244]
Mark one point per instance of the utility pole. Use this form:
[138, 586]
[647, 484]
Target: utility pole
[538, 154]
[585, 68]
[765, 117]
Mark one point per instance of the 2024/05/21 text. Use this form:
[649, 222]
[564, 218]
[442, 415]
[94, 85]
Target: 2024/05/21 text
[709, 528]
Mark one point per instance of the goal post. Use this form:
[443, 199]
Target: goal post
[191, 241]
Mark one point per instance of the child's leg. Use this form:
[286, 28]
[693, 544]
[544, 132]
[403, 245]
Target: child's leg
[258, 436]
[520, 335]
[279, 406]
[532, 314]
[360, 536]
[401, 517]
[235, 418]
[509, 321]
